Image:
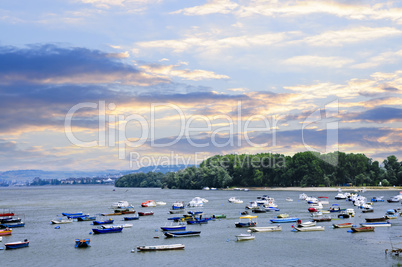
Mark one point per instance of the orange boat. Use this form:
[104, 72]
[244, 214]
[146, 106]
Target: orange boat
[362, 229]
[149, 203]
[6, 231]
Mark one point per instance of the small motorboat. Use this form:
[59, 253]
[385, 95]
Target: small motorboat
[123, 204]
[362, 229]
[368, 210]
[71, 214]
[376, 224]
[6, 231]
[284, 220]
[173, 228]
[160, 203]
[343, 225]
[107, 229]
[289, 199]
[309, 229]
[380, 219]
[148, 213]
[306, 224]
[266, 228]
[18, 244]
[377, 199]
[61, 221]
[148, 203]
[322, 219]
[82, 243]
[244, 237]
[178, 205]
[131, 218]
[110, 221]
[182, 234]
[89, 218]
[250, 223]
[235, 200]
[160, 247]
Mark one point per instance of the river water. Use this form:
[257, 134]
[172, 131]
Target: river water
[49, 246]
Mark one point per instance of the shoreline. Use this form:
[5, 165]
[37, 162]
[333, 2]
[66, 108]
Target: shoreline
[321, 189]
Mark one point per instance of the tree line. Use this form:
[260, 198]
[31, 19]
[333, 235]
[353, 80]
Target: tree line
[275, 170]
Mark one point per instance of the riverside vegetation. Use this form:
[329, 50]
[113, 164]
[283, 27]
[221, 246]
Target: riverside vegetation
[275, 170]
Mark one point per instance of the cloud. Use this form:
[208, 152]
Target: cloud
[212, 7]
[317, 61]
[381, 115]
[49, 64]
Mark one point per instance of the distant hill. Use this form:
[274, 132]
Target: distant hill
[29, 175]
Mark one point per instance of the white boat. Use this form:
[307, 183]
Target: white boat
[1, 238]
[206, 188]
[340, 196]
[235, 200]
[160, 247]
[351, 212]
[289, 199]
[160, 203]
[310, 229]
[243, 237]
[266, 228]
[196, 202]
[307, 224]
[127, 225]
[317, 206]
[62, 221]
[376, 224]
[123, 204]
[303, 196]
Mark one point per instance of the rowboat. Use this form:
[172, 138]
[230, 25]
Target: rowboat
[362, 229]
[182, 234]
[106, 230]
[6, 231]
[89, 218]
[285, 220]
[71, 214]
[18, 244]
[160, 247]
[343, 225]
[173, 228]
[13, 225]
[145, 213]
[131, 218]
[61, 221]
[266, 228]
[368, 210]
[306, 224]
[77, 216]
[381, 219]
[309, 229]
[82, 243]
[250, 223]
[322, 219]
[197, 221]
[110, 221]
[244, 237]
[376, 224]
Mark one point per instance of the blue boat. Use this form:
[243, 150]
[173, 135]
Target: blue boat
[198, 221]
[376, 224]
[19, 244]
[249, 223]
[107, 230]
[110, 221]
[77, 216]
[284, 220]
[13, 225]
[173, 228]
[182, 234]
[131, 218]
[377, 199]
[82, 243]
[71, 214]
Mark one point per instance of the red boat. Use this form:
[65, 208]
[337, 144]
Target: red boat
[6, 214]
[140, 213]
[363, 229]
[322, 197]
[312, 210]
[6, 231]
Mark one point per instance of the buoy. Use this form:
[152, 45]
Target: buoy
[227, 240]
[90, 233]
[57, 227]
[156, 236]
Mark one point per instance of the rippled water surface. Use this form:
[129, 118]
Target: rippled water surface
[216, 245]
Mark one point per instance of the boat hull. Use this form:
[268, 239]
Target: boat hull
[82, 243]
[182, 234]
[266, 229]
[161, 247]
[286, 220]
[343, 225]
[245, 237]
[16, 245]
[362, 229]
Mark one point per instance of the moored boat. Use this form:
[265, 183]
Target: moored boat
[244, 237]
[380, 219]
[343, 225]
[309, 229]
[160, 247]
[61, 221]
[322, 219]
[131, 218]
[107, 230]
[376, 224]
[18, 244]
[148, 203]
[110, 221]
[235, 200]
[89, 218]
[250, 223]
[266, 228]
[13, 225]
[82, 243]
[362, 229]
[6, 231]
[283, 215]
[284, 220]
[182, 233]
[148, 213]
[71, 213]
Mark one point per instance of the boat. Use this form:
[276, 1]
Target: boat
[89, 218]
[266, 228]
[259, 210]
[148, 203]
[218, 216]
[182, 234]
[250, 223]
[335, 208]
[368, 210]
[303, 196]
[147, 213]
[244, 237]
[6, 231]
[127, 211]
[13, 225]
[71, 214]
[131, 218]
[305, 224]
[377, 199]
[160, 247]
[289, 199]
[106, 230]
[351, 212]
[362, 229]
[272, 209]
[82, 243]
[343, 215]
[110, 221]
[1, 238]
[284, 220]
[343, 225]
[376, 224]
[322, 219]
[340, 196]
[393, 200]
[235, 200]
[173, 228]
[283, 215]
[380, 219]
[18, 244]
[198, 221]
[309, 229]
[61, 221]
[123, 204]
[112, 214]
[10, 220]
[7, 214]
[206, 188]
[178, 205]
[77, 216]
[160, 203]
[196, 202]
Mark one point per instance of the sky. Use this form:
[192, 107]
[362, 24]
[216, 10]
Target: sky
[121, 84]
